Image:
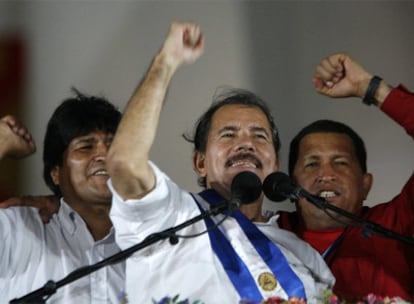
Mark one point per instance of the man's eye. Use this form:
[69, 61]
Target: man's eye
[341, 163]
[86, 147]
[311, 165]
[227, 135]
[262, 136]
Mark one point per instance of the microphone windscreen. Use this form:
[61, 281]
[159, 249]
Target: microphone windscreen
[274, 186]
[246, 187]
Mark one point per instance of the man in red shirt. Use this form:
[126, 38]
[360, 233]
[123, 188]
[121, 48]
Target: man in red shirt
[328, 159]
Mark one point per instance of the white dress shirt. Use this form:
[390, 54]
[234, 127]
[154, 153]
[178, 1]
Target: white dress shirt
[32, 253]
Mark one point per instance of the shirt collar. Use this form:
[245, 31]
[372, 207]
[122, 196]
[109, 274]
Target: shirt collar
[68, 218]
[71, 222]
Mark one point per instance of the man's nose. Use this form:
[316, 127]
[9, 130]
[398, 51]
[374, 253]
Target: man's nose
[245, 143]
[326, 174]
[101, 151]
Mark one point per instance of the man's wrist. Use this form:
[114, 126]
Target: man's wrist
[371, 92]
[166, 61]
[383, 91]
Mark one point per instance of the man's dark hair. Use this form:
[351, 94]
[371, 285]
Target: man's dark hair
[75, 117]
[327, 126]
[228, 97]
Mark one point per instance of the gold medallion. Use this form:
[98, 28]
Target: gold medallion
[267, 281]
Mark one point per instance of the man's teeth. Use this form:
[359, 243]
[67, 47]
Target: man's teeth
[244, 164]
[327, 194]
[101, 172]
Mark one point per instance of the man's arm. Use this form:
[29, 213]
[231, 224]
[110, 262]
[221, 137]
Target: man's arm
[47, 204]
[340, 76]
[15, 139]
[127, 160]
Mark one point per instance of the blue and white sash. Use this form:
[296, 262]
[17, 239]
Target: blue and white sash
[235, 267]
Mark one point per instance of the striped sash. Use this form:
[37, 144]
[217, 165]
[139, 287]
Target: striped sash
[236, 268]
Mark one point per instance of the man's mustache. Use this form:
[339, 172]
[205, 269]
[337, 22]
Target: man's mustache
[244, 157]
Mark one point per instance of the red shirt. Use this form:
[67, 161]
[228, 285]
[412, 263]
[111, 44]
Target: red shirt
[320, 240]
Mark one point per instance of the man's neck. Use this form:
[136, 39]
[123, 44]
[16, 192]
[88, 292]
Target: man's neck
[99, 226]
[96, 218]
[253, 212]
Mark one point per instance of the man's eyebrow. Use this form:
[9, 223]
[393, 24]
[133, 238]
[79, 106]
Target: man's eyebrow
[312, 157]
[228, 128]
[259, 129]
[236, 128]
[93, 138]
[316, 156]
[87, 139]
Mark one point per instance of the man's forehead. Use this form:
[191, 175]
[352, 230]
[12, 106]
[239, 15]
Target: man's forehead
[94, 135]
[232, 116]
[322, 141]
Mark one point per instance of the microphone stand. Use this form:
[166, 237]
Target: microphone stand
[40, 295]
[368, 227]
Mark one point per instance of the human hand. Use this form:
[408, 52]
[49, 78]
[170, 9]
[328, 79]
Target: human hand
[47, 204]
[15, 139]
[340, 76]
[184, 44]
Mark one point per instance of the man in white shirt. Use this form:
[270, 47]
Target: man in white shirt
[80, 233]
[247, 256]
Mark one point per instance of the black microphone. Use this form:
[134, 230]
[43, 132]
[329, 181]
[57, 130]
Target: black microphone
[246, 188]
[278, 186]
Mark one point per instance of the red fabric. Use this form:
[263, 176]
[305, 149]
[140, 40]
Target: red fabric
[376, 264]
[320, 240]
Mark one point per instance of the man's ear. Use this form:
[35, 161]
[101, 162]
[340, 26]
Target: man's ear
[277, 164]
[199, 164]
[367, 183]
[54, 174]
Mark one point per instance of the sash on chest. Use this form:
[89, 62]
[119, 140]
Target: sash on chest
[244, 282]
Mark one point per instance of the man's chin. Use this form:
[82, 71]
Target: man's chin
[103, 201]
[103, 195]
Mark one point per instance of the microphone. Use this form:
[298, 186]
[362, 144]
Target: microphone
[278, 186]
[246, 187]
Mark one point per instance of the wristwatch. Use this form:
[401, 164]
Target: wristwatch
[369, 97]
